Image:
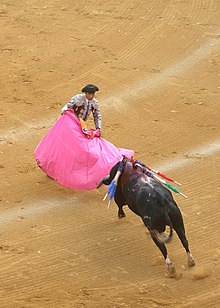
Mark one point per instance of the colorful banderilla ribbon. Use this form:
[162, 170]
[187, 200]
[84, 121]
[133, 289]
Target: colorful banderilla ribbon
[113, 185]
[140, 164]
[163, 176]
[170, 186]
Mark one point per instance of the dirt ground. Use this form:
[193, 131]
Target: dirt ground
[158, 69]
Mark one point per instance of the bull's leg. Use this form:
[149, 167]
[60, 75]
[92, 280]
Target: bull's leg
[119, 200]
[182, 236]
[171, 271]
[178, 226]
[121, 213]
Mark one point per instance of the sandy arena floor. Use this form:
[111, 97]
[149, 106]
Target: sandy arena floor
[157, 65]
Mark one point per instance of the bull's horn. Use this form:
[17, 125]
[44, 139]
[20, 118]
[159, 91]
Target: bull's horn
[99, 184]
[104, 180]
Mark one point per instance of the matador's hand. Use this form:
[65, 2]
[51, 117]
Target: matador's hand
[99, 130]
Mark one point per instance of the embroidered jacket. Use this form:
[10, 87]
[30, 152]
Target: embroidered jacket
[83, 107]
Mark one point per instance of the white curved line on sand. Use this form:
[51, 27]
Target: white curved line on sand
[11, 215]
[192, 156]
[148, 84]
[178, 68]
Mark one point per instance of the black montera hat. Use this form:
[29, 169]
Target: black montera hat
[90, 88]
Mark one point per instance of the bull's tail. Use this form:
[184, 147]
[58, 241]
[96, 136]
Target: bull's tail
[162, 238]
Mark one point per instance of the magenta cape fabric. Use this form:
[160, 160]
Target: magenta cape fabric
[68, 156]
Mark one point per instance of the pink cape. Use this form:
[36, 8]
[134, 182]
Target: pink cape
[69, 157]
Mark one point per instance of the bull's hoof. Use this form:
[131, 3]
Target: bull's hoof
[171, 271]
[121, 215]
[191, 260]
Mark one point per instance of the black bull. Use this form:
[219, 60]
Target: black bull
[154, 203]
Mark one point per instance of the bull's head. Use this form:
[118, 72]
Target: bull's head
[119, 166]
